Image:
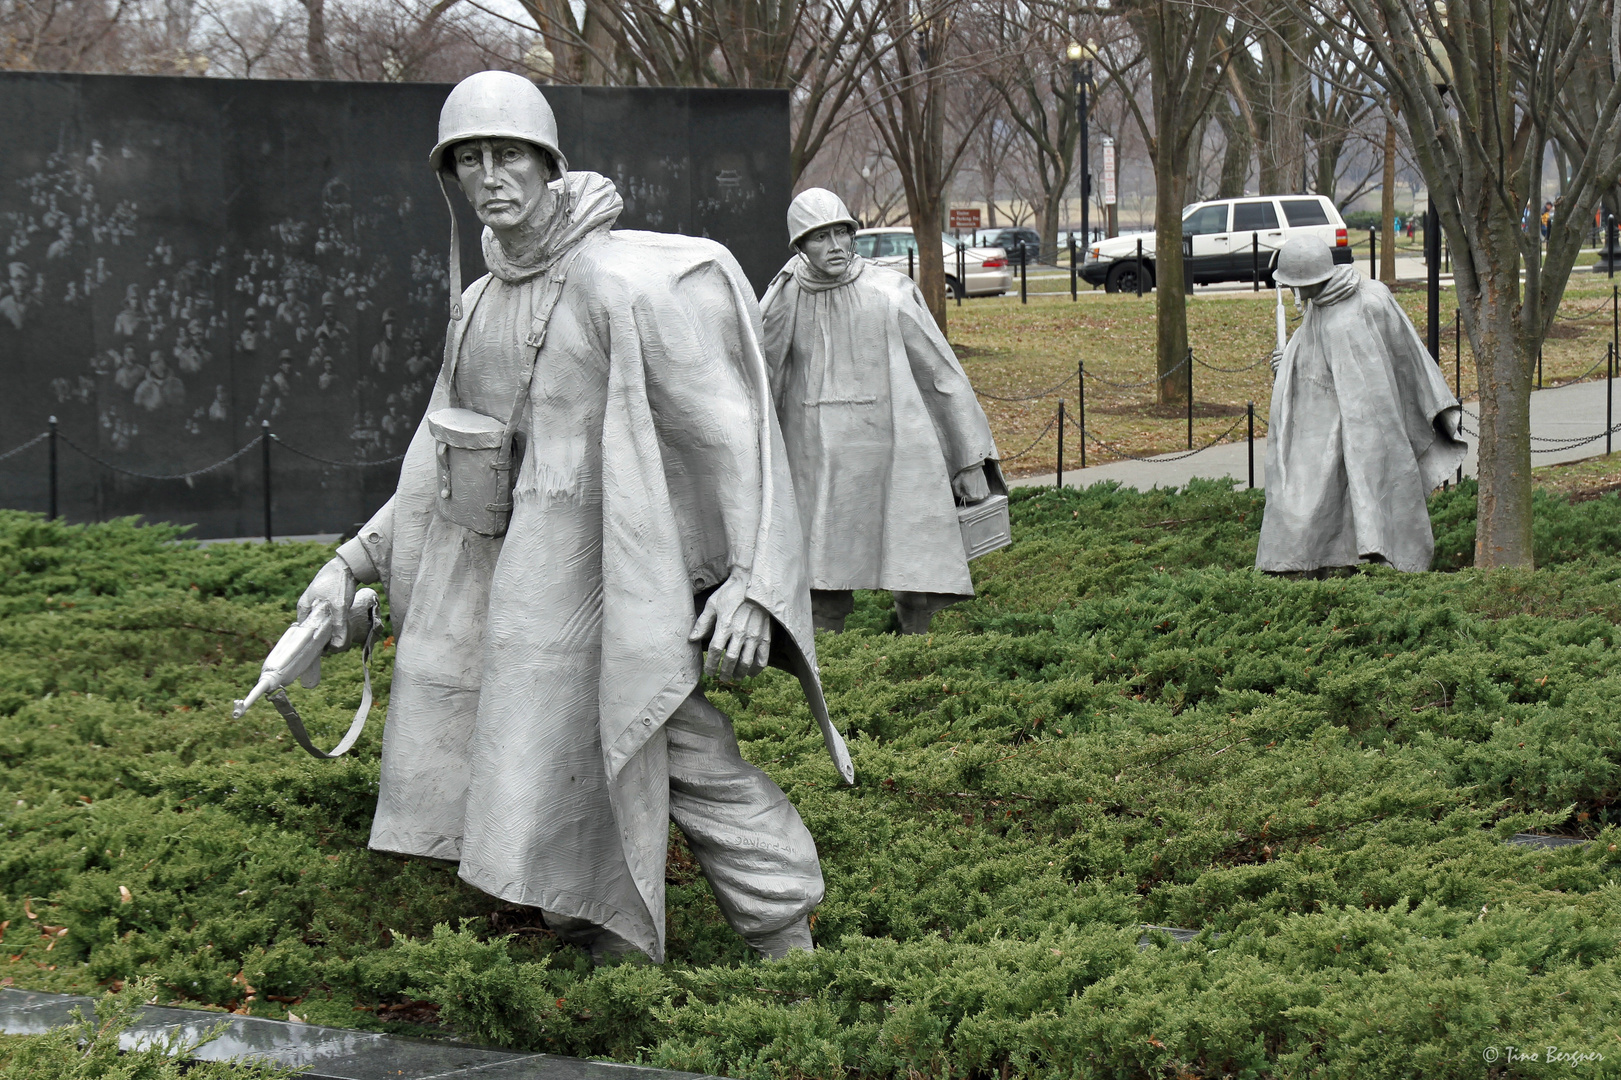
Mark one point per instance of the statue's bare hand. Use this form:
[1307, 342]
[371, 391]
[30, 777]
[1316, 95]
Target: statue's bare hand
[1277, 358]
[971, 485]
[739, 632]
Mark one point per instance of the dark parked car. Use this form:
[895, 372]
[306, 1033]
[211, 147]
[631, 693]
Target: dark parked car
[1008, 241]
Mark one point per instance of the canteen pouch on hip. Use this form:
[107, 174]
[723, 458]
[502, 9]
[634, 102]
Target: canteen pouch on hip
[476, 470]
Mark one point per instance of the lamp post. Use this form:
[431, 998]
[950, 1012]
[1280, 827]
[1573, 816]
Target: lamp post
[1080, 73]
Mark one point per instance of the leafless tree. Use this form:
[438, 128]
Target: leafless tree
[819, 49]
[1186, 58]
[925, 115]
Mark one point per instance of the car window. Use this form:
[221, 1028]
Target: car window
[905, 242]
[865, 245]
[887, 245]
[1206, 220]
[1304, 212]
[1254, 215]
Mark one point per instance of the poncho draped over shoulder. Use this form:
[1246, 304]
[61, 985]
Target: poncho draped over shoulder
[1362, 428]
[878, 416]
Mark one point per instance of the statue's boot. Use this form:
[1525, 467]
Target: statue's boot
[830, 607]
[915, 610]
[779, 943]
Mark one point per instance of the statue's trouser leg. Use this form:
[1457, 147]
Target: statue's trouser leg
[916, 609]
[754, 849]
[830, 607]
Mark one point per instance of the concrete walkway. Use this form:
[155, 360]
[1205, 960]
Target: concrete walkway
[1576, 411]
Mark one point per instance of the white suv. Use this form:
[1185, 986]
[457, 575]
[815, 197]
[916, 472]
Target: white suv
[1233, 240]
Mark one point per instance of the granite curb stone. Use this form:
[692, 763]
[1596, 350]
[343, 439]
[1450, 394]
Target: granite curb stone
[326, 1053]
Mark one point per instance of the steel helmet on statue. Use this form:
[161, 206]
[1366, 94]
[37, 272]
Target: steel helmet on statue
[496, 105]
[813, 209]
[1304, 260]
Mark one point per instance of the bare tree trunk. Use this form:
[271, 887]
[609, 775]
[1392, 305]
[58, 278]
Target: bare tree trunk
[315, 46]
[1170, 305]
[1387, 210]
[1235, 159]
[1504, 364]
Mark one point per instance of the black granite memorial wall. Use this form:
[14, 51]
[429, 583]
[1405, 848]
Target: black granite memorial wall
[187, 258]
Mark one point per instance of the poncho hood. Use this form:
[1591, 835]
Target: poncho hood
[586, 202]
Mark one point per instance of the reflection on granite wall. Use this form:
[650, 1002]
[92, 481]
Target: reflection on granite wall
[185, 259]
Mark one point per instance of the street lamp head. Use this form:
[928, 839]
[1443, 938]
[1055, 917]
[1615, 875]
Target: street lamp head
[1076, 50]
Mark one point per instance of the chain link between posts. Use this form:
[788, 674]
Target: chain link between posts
[186, 476]
[1032, 446]
[35, 441]
[337, 464]
[1154, 460]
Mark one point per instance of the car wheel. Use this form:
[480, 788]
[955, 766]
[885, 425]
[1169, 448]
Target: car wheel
[1123, 277]
[957, 291]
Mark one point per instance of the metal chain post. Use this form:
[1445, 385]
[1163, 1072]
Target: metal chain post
[265, 456]
[1060, 484]
[1139, 268]
[1373, 254]
[1073, 271]
[1190, 397]
[1080, 379]
[1249, 411]
[53, 468]
[1024, 297]
[1255, 261]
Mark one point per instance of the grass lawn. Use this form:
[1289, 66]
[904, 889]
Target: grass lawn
[1127, 726]
[1013, 350]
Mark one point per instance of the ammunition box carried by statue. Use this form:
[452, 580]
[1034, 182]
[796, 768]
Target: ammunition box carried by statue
[985, 526]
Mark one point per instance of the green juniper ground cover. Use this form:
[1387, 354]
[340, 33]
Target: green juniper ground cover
[1127, 726]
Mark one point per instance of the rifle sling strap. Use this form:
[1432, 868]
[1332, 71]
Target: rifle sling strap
[295, 723]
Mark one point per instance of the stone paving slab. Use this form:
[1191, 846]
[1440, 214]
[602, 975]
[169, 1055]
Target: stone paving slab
[326, 1053]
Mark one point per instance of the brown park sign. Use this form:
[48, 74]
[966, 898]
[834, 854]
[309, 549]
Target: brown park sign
[965, 219]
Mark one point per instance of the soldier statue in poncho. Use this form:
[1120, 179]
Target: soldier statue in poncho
[1362, 427]
[883, 430]
[598, 489]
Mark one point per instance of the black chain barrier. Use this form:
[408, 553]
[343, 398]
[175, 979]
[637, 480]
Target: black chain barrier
[1178, 457]
[1032, 446]
[187, 476]
[277, 439]
[1267, 359]
[1140, 385]
[35, 441]
[1029, 397]
[1595, 313]
[1558, 446]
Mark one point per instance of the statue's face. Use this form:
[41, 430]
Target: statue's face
[505, 180]
[829, 249]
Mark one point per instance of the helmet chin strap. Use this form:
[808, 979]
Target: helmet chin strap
[455, 267]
